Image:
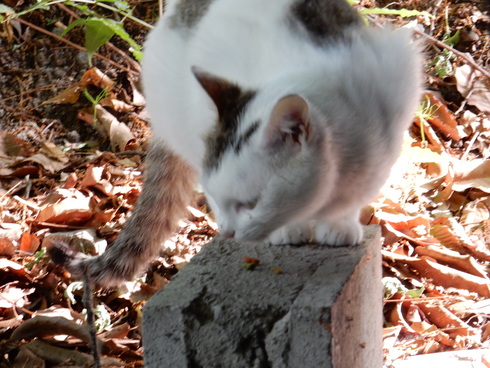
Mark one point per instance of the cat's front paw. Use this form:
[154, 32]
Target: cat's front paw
[347, 232]
[292, 234]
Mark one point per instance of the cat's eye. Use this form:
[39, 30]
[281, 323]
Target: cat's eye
[249, 205]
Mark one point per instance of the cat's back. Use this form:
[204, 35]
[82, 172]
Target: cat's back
[247, 42]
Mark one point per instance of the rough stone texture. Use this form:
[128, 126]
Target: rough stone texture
[323, 310]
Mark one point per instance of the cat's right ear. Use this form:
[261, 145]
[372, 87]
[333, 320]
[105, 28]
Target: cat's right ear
[223, 92]
[289, 124]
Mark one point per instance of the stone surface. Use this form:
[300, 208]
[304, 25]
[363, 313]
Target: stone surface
[324, 309]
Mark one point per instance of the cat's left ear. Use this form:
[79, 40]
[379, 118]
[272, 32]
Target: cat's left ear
[223, 92]
[289, 123]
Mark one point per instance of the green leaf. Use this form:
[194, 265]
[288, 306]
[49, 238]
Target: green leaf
[122, 5]
[453, 40]
[415, 293]
[97, 33]
[404, 13]
[4, 9]
[119, 30]
[72, 25]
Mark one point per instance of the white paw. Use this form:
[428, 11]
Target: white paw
[291, 234]
[346, 232]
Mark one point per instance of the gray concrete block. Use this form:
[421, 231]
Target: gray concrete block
[323, 310]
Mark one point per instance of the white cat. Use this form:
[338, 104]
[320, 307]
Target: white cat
[290, 113]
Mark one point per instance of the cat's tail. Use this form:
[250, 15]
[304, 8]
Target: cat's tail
[167, 190]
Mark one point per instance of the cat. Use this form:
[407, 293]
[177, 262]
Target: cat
[290, 114]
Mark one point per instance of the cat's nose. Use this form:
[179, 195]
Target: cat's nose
[229, 234]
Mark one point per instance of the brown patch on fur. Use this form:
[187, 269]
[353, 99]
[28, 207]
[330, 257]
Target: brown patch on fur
[230, 101]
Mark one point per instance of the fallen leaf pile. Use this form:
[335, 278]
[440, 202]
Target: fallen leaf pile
[435, 219]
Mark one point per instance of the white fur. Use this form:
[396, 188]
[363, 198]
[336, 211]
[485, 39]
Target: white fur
[352, 90]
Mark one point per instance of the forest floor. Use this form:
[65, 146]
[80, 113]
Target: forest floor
[72, 142]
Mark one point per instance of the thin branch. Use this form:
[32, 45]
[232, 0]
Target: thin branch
[74, 45]
[462, 55]
[441, 44]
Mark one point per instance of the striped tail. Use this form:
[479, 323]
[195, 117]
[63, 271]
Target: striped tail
[167, 190]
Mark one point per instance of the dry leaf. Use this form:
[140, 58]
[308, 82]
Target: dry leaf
[96, 77]
[69, 95]
[47, 163]
[91, 77]
[443, 275]
[402, 222]
[116, 105]
[66, 211]
[7, 247]
[474, 87]
[94, 178]
[29, 243]
[472, 174]
[451, 258]
[54, 151]
[442, 118]
[443, 318]
[475, 212]
[107, 125]
[12, 296]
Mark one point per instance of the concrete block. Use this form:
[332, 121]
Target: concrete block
[323, 310]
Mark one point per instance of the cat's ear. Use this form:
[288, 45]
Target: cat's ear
[289, 123]
[223, 92]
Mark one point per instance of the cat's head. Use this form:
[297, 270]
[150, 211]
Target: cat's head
[261, 170]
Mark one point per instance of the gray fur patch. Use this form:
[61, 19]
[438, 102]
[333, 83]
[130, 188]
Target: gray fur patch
[324, 20]
[188, 13]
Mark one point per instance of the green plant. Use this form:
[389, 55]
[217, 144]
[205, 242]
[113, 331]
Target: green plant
[392, 285]
[424, 112]
[404, 13]
[39, 256]
[95, 101]
[5, 10]
[442, 63]
[98, 28]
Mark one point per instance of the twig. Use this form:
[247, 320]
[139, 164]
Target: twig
[32, 206]
[74, 45]
[462, 55]
[88, 289]
[470, 146]
[441, 44]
